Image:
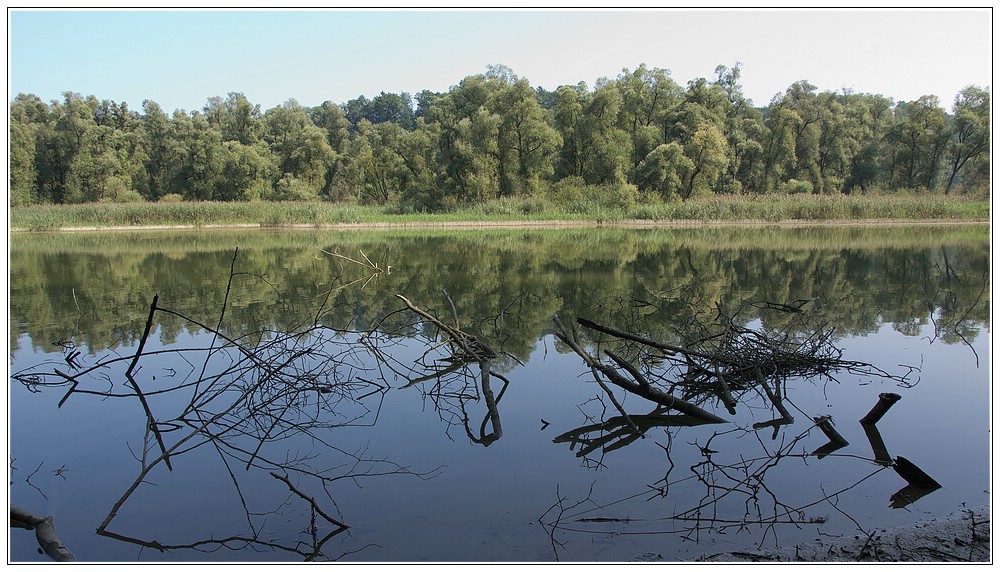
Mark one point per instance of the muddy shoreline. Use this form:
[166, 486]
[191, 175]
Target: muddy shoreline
[963, 536]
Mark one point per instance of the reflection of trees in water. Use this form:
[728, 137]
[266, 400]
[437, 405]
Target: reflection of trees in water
[713, 361]
[862, 282]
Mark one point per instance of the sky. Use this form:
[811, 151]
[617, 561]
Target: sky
[180, 58]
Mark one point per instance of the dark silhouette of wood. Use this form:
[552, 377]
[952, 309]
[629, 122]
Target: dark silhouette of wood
[913, 475]
[885, 401]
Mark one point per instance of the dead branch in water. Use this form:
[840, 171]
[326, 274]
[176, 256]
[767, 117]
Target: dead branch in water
[640, 386]
[45, 532]
[464, 349]
[719, 359]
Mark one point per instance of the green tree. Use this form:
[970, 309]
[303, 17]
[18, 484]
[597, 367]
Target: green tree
[779, 148]
[159, 151]
[917, 141]
[870, 118]
[330, 117]
[247, 172]
[744, 131]
[649, 97]
[567, 114]
[383, 108]
[418, 151]
[971, 139]
[605, 149]
[525, 141]
[200, 170]
[235, 117]
[375, 166]
[707, 152]
[662, 171]
[302, 150]
[28, 115]
[63, 146]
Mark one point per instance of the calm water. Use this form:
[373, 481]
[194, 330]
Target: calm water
[337, 391]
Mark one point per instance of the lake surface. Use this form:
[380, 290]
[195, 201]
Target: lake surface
[293, 391]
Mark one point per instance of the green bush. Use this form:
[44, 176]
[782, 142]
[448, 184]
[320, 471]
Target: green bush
[796, 187]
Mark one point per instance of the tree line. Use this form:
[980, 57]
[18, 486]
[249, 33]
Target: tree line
[641, 136]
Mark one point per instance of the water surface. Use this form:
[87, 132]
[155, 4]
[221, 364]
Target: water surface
[445, 467]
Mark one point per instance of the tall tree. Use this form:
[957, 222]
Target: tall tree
[567, 114]
[605, 149]
[707, 153]
[525, 141]
[971, 139]
[918, 140]
[28, 116]
[236, 118]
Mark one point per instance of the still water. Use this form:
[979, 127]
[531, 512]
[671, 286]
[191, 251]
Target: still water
[290, 406]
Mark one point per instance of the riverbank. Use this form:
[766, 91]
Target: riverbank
[961, 537]
[507, 212]
[634, 223]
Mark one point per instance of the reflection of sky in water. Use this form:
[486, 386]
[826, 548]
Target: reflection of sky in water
[485, 502]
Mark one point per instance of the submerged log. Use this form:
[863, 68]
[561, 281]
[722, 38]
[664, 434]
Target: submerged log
[825, 423]
[885, 401]
[879, 449]
[45, 533]
[908, 495]
[644, 390]
[913, 475]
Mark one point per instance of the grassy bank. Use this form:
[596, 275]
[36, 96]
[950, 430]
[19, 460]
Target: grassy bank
[717, 209]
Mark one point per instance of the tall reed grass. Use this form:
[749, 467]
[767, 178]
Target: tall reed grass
[778, 208]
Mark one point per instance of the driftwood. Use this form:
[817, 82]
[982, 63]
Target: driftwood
[465, 348]
[913, 475]
[885, 401]
[718, 359]
[617, 432]
[472, 348]
[45, 532]
[775, 397]
[879, 449]
[837, 441]
[638, 385]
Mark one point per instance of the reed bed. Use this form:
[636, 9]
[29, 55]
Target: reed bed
[776, 208]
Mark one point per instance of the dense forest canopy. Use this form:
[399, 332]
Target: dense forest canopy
[639, 136]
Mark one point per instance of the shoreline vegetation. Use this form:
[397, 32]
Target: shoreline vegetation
[493, 147]
[510, 212]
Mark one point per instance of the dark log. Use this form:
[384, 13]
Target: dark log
[825, 423]
[885, 401]
[786, 417]
[827, 449]
[908, 495]
[914, 475]
[668, 348]
[45, 533]
[595, 366]
[882, 456]
[653, 394]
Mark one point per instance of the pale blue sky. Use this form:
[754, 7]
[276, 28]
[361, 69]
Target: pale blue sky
[181, 58]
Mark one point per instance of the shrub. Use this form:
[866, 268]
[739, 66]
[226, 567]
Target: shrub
[171, 198]
[568, 191]
[796, 187]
